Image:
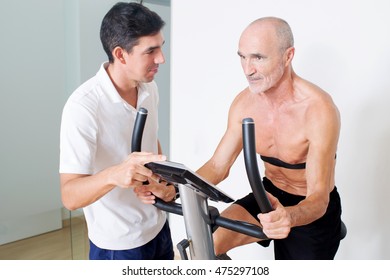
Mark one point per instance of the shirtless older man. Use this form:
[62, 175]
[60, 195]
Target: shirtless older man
[297, 131]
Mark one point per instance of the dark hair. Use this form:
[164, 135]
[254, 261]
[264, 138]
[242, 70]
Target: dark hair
[125, 23]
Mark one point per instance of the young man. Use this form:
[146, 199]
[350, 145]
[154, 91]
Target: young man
[297, 130]
[98, 172]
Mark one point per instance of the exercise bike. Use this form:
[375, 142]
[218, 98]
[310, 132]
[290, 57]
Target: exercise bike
[200, 219]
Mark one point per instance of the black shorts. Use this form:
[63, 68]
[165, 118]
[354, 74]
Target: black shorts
[316, 241]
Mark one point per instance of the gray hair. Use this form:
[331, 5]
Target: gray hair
[282, 30]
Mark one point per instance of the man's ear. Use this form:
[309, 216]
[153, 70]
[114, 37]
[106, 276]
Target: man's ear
[118, 54]
[289, 55]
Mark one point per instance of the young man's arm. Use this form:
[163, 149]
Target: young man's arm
[80, 190]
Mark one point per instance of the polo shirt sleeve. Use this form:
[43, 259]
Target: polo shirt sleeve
[78, 138]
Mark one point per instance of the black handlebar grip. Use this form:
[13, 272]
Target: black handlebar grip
[252, 170]
[138, 130]
[170, 207]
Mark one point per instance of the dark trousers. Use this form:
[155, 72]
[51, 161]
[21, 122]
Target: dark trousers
[160, 248]
[316, 241]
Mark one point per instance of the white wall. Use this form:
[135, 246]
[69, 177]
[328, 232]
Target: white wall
[342, 46]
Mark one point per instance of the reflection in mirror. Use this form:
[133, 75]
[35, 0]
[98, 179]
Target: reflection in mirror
[61, 55]
[78, 235]
[69, 242]
[54, 245]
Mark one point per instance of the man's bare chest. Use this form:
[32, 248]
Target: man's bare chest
[282, 136]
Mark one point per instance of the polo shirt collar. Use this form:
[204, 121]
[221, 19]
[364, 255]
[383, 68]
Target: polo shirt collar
[110, 91]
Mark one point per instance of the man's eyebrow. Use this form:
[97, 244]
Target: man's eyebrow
[251, 54]
[153, 48]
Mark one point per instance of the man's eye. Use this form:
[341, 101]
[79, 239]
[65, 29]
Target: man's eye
[149, 51]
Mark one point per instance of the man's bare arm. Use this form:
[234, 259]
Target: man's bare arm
[323, 130]
[80, 190]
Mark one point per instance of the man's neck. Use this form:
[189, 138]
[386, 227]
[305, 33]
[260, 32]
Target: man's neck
[283, 92]
[127, 88]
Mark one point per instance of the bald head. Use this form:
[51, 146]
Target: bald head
[273, 26]
[266, 50]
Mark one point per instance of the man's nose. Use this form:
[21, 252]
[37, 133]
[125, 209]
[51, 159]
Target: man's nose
[249, 70]
[159, 59]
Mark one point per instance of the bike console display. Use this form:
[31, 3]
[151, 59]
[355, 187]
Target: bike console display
[177, 173]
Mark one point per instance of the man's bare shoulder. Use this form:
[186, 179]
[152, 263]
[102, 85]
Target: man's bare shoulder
[241, 97]
[244, 104]
[317, 98]
[321, 111]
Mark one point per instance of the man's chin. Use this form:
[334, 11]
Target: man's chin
[255, 90]
[148, 80]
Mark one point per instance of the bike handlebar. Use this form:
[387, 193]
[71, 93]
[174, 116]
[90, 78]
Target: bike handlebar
[249, 148]
[238, 226]
[138, 130]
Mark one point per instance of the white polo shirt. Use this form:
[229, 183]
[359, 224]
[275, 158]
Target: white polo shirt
[96, 132]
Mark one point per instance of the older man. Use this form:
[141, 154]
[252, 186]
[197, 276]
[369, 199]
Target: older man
[297, 131]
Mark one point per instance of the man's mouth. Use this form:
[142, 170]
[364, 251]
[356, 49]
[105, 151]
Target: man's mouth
[253, 79]
[154, 69]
